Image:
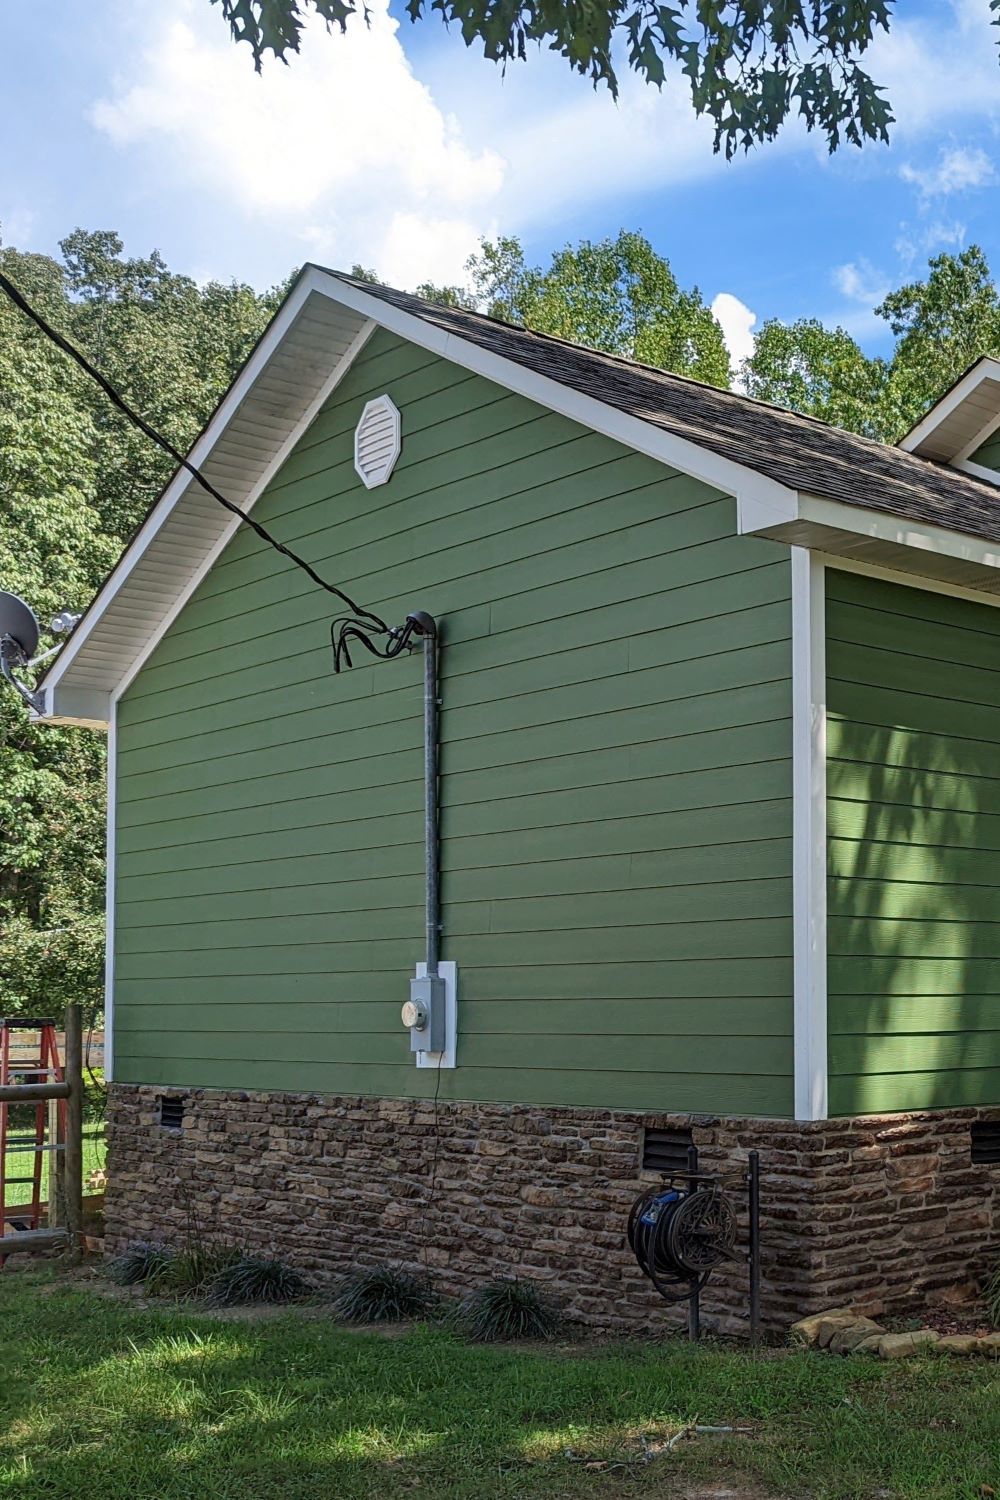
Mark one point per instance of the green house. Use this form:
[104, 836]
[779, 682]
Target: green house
[719, 769]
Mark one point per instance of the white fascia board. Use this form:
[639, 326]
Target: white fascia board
[677, 452]
[311, 282]
[984, 369]
[916, 546]
[87, 707]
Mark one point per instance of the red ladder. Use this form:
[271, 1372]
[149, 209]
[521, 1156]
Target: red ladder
[34, 1060]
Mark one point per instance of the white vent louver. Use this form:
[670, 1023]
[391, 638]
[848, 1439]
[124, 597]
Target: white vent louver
[377, 441]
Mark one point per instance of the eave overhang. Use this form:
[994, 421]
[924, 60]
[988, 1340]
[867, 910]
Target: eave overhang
[961, 420]
[882, 540]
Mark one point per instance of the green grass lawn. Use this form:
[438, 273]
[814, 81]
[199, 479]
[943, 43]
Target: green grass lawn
[20, 1163]
[101, 1399]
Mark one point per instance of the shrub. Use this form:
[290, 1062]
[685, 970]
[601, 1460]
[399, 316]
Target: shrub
[250, 1278]
[382, 1295]
[138, 1262]
[508, 1308]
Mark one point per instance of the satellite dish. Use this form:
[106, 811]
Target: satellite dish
[18, 643]
[18, 624]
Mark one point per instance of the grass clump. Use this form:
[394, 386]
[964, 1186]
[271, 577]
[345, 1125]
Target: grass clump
[252, 1278]
[191, 1271]
[137, 1263]
[508, 1308]
[382, 1294]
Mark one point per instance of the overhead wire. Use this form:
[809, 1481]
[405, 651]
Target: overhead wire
[360, 624]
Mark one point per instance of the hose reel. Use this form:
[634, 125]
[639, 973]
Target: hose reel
[680, 1235]
[686, 1228]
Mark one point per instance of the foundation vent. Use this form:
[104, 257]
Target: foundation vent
[665, 1149]
[986, 1141]
[172, 1111]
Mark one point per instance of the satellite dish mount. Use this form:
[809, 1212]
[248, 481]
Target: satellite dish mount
[18, 644]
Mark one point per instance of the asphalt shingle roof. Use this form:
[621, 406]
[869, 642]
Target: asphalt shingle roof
[800, 452]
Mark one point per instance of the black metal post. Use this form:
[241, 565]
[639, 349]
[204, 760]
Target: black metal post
[694, 1305]
[427, 626]
[753, 1195]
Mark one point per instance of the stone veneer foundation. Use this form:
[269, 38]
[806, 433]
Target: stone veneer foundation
[884, 1213]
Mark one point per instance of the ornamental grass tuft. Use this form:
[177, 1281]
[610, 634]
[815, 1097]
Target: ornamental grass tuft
[383, 1294]
[138, 1262]
[508, 1308]
[252, 1278]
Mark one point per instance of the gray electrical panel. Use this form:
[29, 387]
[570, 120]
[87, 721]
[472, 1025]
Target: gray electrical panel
[425, 1014]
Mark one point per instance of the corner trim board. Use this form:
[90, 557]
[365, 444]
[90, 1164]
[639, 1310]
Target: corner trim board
[809, 834]
[109, 898]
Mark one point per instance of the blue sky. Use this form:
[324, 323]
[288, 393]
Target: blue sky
[398, 147]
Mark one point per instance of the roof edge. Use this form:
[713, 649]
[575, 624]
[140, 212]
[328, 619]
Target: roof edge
[931, 436]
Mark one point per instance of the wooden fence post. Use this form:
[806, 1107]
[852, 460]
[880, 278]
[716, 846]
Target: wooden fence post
[73, 1155]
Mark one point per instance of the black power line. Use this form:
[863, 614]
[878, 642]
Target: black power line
[360, 624]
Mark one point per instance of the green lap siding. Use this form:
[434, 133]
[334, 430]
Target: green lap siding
[913, 782]
[616, 826]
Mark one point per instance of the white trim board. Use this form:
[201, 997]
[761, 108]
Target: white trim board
[950, 403]
[109, 897]
[809, 834]
[841, 530]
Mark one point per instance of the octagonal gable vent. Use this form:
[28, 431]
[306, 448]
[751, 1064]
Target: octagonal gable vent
[377, 441]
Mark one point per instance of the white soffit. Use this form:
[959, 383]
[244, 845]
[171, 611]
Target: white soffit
[876, 538]
[963, 418]
[283, 384]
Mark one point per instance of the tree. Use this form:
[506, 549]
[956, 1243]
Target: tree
[747, 67]
[821, 372]
[616, 295]
[942, 325]
[75, 480]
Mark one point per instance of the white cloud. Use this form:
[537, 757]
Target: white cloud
[736, 321]
[860, 281]
[956, 170]
[348, 154]
[345, 147]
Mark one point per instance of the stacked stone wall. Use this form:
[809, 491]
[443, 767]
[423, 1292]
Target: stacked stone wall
[883, 1213]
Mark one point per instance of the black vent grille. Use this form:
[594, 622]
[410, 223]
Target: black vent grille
[986, 1141]
[665, 1150]
[172, 1111]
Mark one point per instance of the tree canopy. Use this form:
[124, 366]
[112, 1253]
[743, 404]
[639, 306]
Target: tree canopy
[748, 68]
[75, 479]
[942, 325]
[614, 294]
